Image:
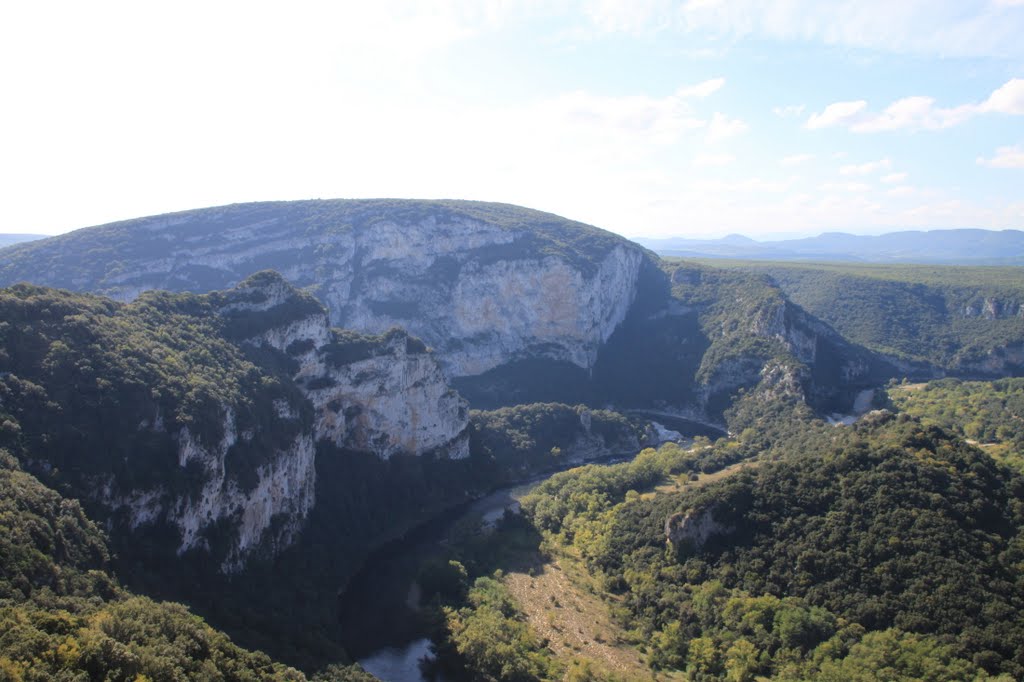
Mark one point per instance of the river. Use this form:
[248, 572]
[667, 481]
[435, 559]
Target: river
[381, 626]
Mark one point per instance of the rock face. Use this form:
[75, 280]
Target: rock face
[482, 284]
[992, 308]
[382, 394]
[1001, 361]
[693, 528]
[385, 395]
[284, 492]
[590, 444]
[817, 363]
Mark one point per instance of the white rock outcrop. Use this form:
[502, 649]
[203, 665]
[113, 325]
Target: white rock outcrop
[281, 498]
[694, 528]
[381, 394]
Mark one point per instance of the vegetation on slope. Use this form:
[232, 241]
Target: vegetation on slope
[988, 412]
[64, 617]
[810, 582]
[530, 437]
[711, 334]
[492, 639]
[951, 317]
[891, 550]
[380, 501]
[95, 391]
[82, 373]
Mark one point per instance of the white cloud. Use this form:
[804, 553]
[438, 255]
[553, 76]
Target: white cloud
[722, 127]
[702, 90]
[275, 102]
[713, 159]
[933, 27]
[1005, 157]
[894, 178]
[902, 191]
[946, 28]
[789, 111]
[629, 16]
[744, 186]
[867, 168]
[795, 159]
[640, 117]
[918, 112]
[915, 113]
[835, 114]
[1009, 99]
[845, 187]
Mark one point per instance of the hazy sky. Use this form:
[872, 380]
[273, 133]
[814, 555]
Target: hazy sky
[646, 117]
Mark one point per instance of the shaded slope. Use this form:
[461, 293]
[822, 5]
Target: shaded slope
[967, 321]
[63, 616]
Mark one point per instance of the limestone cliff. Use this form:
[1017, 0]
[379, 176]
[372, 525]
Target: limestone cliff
[267, 512]
[482, 284]
[202, 414]
[383, 394]
[758, 338]
[992, 308]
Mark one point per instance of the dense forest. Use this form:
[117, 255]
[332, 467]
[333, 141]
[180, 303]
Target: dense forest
[64, 616]
[844, 553]
[989, 413]
[78, 368]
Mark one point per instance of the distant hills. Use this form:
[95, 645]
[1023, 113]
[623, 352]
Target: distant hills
[951, 247]
[8, 239]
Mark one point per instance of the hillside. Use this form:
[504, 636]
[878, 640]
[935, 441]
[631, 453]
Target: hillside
[471, 279]
[951, 247]
[888, 550]
[204, 412]
[246, 455]
[518, 306]
[934, 319]
[234, 445]
[990, 413]
[63, 614]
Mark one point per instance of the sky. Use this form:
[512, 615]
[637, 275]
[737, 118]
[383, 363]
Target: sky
[696, 118]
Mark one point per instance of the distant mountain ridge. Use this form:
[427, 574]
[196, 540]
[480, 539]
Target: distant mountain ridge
[947, 247]
[8, 239]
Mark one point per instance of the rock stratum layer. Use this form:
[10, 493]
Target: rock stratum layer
[482, 284]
